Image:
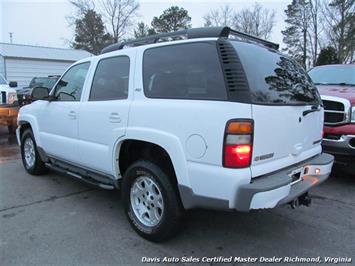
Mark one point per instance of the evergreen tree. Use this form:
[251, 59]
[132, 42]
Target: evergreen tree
[327, 56]
[90, 33]
[172, 19]
[295, 34]
[143, 30]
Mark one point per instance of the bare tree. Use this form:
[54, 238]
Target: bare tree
[81, 7]
[339, 16]
[315, 28]
[224, 16]
[119, 15]
[257, 21]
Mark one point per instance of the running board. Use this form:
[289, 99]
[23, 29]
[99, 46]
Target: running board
[86, 179]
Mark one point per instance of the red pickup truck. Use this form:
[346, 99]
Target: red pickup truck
[336, 85]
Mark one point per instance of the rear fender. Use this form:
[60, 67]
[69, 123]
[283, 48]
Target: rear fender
[168, 142]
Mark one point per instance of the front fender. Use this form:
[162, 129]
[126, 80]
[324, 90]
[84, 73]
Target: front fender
[30, 119]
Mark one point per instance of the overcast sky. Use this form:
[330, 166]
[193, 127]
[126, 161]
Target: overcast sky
[44, 23]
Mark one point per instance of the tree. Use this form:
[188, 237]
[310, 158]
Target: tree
[80, 8]
[257, 21]
[315, 28]
[90, 33]
[327, 56]
[143, 30]
[340, 18]
[224, 16]
[119, 15]
[295, 34]
[172, 19]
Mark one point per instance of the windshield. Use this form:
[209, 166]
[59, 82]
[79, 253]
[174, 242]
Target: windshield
[2, 81]
[43, 82]
[275, 78]
[333, 75]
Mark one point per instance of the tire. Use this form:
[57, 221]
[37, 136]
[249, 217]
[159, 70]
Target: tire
[33, 165]
[165, 223]
[11, 129]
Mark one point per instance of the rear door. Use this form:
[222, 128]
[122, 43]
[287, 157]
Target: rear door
[104, 113]
[288, 118]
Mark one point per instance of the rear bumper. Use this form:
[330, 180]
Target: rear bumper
[8, 115]
[230, 189]
[276, 189]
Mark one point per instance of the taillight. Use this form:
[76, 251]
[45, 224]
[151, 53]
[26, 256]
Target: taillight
[238, 144]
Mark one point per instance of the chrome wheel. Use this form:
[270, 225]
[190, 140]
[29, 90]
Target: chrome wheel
[147, 201]
[29, 152]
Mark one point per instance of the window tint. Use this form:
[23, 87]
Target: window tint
[185, 71]
[275, 78]
[70, 86]
[111, 79]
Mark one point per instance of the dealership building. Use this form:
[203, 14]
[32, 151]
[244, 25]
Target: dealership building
[21, 63]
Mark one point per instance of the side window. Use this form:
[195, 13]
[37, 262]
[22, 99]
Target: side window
[184, 71]
[111, 79]
[70, 86]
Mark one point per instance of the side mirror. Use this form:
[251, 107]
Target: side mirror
[40, 93]
[13, 84]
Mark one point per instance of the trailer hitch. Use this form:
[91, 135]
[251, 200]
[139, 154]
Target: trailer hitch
[304, 199]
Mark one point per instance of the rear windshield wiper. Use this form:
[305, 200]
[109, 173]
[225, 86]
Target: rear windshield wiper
[314, 108]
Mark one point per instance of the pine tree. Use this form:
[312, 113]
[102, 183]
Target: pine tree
[172, 19]
[143, 30]
[295, 34]
[90, 33]
[327, 56]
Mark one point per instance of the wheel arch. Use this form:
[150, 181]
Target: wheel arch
[165, 142]
[29, 122]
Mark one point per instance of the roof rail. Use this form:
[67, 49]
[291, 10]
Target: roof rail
[206, 32]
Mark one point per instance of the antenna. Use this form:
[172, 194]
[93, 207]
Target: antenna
[11, 33]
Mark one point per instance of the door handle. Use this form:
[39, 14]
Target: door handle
[115, 118]
[72, 115]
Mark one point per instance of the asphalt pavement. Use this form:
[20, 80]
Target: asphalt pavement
[57, 220]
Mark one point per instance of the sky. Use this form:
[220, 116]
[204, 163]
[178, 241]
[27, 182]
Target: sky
[44, 23]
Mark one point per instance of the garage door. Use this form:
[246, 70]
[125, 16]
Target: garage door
[23, 70]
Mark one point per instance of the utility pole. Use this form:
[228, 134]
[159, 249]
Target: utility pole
[11, 33]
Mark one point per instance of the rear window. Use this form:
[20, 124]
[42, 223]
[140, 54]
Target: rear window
[275, 78]
[184, 71]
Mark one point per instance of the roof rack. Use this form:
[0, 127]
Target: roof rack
[206, 32]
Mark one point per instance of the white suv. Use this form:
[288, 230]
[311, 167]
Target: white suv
[207, 117]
